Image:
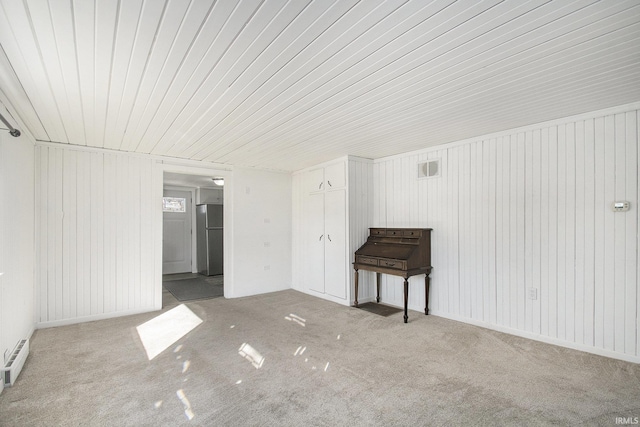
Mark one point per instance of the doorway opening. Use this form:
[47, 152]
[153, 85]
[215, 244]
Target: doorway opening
[192, 238]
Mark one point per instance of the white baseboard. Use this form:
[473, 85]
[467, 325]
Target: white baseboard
[341, 301]
[91, 318]
[536, 337]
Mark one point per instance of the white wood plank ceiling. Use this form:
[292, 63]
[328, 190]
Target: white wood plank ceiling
[286, 84]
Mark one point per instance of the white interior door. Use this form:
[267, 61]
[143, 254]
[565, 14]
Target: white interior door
[335, 280]
[315, 239]
[176, 236]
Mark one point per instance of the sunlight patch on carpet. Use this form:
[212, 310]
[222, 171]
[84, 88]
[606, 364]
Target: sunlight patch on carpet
[252, 355]
[187, 405]
[297, 319]
[162, 331]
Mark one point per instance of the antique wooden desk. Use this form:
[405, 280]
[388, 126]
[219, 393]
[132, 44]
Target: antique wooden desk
[403, 252]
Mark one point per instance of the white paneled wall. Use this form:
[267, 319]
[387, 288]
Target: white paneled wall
[16, 240]
[94, 252]
[529, 209]
[360, 181]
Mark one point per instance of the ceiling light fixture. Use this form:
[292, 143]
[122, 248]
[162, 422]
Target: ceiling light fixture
[218, 181]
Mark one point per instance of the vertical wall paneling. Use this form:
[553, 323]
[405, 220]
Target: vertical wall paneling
[97, 233]
[502, 236]
[490, 293]
[474, 265]
[147, 285]
[443, 233]
[93, 243]
[589, 231]
[609, 233]
[121, 249]
[536, 218]
[637, 219]
[545, 277]
[631, 244]
[562, 232]
[64, 221]
[42, 164]
[453, 204]
[570, 223]
[84, 209]
[360, 215]
[59, 216]
[579, 230]
[552, 307]
[518, 294]
[422, 189]
[599, 233]
[619, 233]
[530, 277]
[134, 244]
[416, 292]
[110, 231]
[465, 240]
[37, 273]
[69, 235]
[510, 231]
[479, 221]
[525, 238]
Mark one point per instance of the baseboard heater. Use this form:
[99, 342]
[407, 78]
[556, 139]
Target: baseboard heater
[14, 365]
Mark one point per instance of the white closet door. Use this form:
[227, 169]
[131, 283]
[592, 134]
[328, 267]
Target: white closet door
[335, 244]
[314, 180]
[335, 176]
[315, 238]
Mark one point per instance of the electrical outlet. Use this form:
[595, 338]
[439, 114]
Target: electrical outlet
[623, 206]
[532, 293]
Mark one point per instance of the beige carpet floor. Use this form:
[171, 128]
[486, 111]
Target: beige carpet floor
[289, 359]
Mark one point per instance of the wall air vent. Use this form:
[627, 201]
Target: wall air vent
[429, 169]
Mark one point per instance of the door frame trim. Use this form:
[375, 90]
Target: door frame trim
[177, 166]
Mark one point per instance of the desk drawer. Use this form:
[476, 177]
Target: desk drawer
[367, 260]
[393, 263]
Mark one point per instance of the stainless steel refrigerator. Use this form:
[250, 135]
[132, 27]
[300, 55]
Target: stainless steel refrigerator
[209, 239]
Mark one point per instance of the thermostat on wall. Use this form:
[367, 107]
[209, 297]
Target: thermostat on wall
[620, 206]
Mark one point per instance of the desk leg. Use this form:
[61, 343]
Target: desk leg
[406, 298]
[356, 283]
[426, 294]
[378, 287]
